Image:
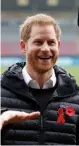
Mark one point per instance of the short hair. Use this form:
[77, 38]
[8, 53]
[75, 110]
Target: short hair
[39, 19]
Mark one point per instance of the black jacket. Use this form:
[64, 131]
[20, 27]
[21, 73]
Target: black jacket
[43, 130]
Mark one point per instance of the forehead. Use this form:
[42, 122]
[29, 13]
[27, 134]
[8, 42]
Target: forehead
[42, 31]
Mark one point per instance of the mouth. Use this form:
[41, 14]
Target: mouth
[45, 58]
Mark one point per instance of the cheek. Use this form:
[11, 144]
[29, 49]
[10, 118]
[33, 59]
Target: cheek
[56, 55]
[55, 51]
[31, 56]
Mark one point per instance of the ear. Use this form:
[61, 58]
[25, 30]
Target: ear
[23, 46]
[59, 44]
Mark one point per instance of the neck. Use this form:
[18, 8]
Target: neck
[41, 78]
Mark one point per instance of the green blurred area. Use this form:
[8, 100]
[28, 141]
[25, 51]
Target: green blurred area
[73, 70]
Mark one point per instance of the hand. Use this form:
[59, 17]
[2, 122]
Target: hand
[16, 117]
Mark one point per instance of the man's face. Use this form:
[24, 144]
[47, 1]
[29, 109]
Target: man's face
[41, 49]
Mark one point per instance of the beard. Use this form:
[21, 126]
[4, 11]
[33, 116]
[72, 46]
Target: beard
[40, 66]
[41, 69]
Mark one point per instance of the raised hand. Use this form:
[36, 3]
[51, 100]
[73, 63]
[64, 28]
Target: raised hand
[16, 117]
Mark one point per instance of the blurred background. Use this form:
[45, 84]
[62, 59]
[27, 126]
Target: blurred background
[14, 12]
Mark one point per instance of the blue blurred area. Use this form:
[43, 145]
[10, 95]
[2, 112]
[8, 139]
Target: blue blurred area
[62, 61]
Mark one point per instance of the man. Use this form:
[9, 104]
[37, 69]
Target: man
[40, 101]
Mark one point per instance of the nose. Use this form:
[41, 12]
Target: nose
[45, 47]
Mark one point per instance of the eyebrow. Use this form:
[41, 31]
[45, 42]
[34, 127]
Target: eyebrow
[40, 39]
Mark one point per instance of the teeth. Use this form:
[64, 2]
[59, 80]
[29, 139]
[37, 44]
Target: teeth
[44, 57]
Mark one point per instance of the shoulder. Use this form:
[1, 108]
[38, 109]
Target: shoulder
[64, 75]
[66, 82]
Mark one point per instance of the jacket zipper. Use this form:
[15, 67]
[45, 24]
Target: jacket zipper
[41, 122]
[41, 136]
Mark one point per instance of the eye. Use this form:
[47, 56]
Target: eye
[38, 42]
[51, 43]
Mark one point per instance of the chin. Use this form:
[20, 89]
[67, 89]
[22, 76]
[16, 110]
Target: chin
[43, 70]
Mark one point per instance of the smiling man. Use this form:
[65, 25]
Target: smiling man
[41, 100]
[41, 51]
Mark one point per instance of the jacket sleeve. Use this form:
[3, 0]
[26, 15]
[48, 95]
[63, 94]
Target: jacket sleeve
[3, 110]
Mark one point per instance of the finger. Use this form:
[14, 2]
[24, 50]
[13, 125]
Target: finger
[32, 115]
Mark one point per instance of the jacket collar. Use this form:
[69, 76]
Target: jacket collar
[32, 83]
[12, 79]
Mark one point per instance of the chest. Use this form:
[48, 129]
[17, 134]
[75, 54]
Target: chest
[43, 129]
